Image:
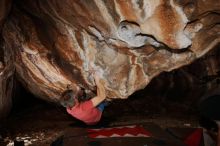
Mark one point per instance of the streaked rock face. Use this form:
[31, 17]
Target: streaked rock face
[58, 44]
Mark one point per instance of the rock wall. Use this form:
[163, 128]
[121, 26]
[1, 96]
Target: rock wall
[190, 84]
[57, 45]
[6, 81]
[6, 65]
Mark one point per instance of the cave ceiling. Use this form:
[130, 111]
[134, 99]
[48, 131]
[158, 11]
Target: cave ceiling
[55, 45]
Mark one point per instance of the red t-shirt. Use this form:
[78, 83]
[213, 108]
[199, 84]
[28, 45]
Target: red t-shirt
[85, 112]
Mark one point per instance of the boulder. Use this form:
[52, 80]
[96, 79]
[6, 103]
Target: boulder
[59, 45]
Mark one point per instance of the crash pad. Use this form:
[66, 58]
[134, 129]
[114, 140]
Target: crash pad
[147, 134]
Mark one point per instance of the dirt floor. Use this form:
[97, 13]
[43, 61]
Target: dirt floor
[40, 123]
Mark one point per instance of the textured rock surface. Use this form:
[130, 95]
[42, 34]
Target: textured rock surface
[58, 44]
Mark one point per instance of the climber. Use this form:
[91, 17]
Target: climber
[89, 111]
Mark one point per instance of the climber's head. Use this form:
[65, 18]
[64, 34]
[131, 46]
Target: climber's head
[68, 99]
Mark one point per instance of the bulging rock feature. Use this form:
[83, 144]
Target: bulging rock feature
[131, 34]
[58, 45]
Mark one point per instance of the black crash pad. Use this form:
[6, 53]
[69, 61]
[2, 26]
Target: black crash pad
[81, 137]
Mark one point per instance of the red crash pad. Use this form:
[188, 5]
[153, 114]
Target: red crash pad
[124, 131]
[194, 139]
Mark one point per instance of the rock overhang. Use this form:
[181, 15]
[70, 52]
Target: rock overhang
[56, 45]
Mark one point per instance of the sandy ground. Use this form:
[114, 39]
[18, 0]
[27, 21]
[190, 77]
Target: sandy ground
[40, 123]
